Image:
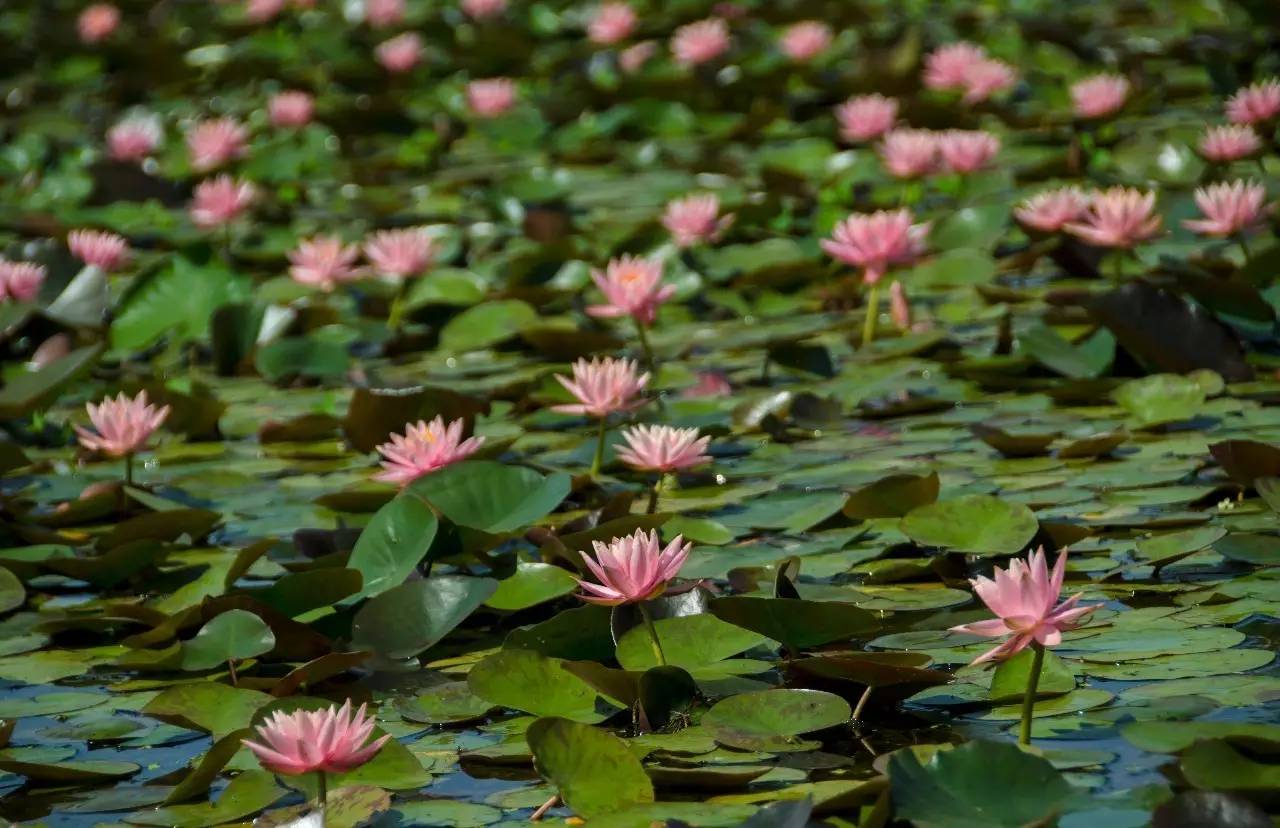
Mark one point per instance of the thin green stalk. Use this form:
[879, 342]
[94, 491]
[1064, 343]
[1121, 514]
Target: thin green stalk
[649, 361]
[654, 492]
[1029, 700]
[873, 311]
[598, 460]
[322, 794]
[396, 314]
[653, 633]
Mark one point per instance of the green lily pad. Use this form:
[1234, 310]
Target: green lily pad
[593, 770]
[231, 636]
[410, 618]
[772, 719]
[525, 680]
[973, 524]
[492, 497]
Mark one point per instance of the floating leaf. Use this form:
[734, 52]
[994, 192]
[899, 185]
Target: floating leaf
[410, 618]
[492, 497]
[594, 771]
[232, 636]
[772, 719]
[525, 680]
[393, 544]
[974, 524]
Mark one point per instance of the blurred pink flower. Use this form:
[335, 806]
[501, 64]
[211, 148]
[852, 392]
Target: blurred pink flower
[695, 218]
[633, 568]
[291, 109]
[612, 23]
[330, 740]
[383, 13]
[662, 448]
[401, 53]
[877, 241]
[214, 142]
[97, 22]
[1228, 209]
[1117, 217]
[987, 77]
[866, 117]
[805, 40]
[20, 281]
[602, 387]
[633, 58]
[632, 287]
[424, 448]
[966, 151]
[134, 138]
[122, 426]
[218, 201]
[1050, 210]
[261, 11]
[323, 262]
[491, 98]
[709, 384]
[1223, 144]
[1099, 96]
[948, 67]
[400, 253]
[1255, 104]
[909, 153]
[107, 251]
[899, 307]
[484, 9]
[1023, 599]
[697, 43]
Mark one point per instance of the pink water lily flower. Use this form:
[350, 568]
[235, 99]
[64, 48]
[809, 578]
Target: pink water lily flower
[262, 11]
[220, 200]
[696, 219]
[909, 153]
[330, 740]
[987, 77]
[702, 42]
[424, 448]
[966, 151]
[122, 425]
[491, 97]
[212, 143]
[1117, 217]
[383, 13]
[708, 384]
[899, 307]
[1051, 210]
[633, 58]
[323, 262]
[633, 287]
[1228, 209]
[401, 53]
[97, 22]
[100, 249]
[631, 569]
[1255, 104]
[1024, 597]
[400, 253]
[613, 22]
[1223, 144]
[602, 387]
[877, 241]
[1099, 95]
[291, 109]
[20, 281]
[866, 117]
[484, 9]
[948, 67]
[805, 40]
[663, 449]
[134, 138]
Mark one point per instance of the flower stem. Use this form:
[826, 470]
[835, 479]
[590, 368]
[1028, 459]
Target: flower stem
[598, 460]
[396, 314]
[128, 469]
[654, 492]
[1029, 700]
[322, 794]
[653, 633]
[873, 310]
[649, 361]
[231, 672]
[1244, 246]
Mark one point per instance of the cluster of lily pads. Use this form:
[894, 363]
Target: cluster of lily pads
[469, 412]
